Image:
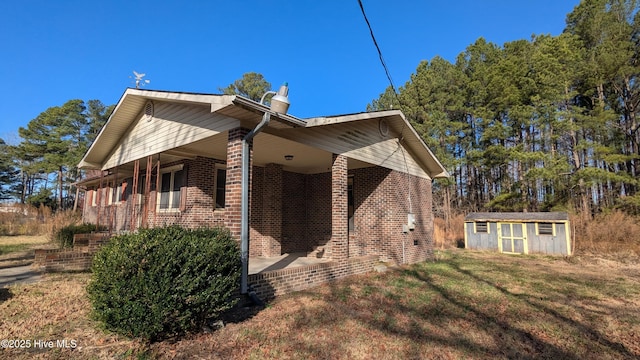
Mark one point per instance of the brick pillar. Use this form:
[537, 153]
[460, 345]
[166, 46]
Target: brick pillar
[233, 186]
[272, 210]
[339, 209]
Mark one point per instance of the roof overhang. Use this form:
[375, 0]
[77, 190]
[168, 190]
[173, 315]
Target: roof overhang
[249, 113]
[132, 102]
[407, 135]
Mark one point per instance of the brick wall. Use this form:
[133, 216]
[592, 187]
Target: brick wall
[234, 180]
[78, 258]
[278, 282]
[339, 219]
[293, 212]
[295, 237]
[199, 210]
[381, 198]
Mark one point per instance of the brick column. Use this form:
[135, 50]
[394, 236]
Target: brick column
[272, 210]
[339, 209]
[233, 186]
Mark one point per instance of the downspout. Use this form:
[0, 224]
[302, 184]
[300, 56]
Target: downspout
[244, 204]
[279, 104]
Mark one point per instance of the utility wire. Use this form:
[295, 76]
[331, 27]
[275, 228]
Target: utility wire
[375, 42]
[395, 94]
[384, 64]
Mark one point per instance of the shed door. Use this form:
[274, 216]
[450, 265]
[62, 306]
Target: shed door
[512, 238]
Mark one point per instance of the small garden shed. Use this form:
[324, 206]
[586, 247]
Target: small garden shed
[519, 233]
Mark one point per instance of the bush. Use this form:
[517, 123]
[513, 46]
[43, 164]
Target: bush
[165, 281]
[64, 236]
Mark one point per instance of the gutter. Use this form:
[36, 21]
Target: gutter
[244, 205]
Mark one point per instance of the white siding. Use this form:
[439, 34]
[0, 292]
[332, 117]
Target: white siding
[361, 141]
[172, 125]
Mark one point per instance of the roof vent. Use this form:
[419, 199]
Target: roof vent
[383, 127]
[148, 111]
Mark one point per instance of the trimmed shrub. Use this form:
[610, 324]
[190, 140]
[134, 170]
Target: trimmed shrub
[164, 282]
[64, 236]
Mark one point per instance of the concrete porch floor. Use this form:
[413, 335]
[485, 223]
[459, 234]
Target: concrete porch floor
[284, 261]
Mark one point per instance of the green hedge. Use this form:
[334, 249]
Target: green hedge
[64, 236]
[165, 281]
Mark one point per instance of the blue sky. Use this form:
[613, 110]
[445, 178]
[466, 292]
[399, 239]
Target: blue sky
[54, 51]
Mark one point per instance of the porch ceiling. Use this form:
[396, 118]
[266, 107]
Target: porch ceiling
[268, 149]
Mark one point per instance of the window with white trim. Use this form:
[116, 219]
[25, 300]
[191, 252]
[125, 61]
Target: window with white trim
[116, 196]
[170, 183]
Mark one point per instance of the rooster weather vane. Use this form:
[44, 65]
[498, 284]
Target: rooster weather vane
[138, 79]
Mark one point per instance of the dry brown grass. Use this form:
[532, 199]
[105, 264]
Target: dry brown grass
[611, 234]
[30, 220]
[24, 240]
[56, 309]
[476, 305]
[451, 235]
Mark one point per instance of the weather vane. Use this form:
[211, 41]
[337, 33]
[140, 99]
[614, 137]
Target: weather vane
[138, 79]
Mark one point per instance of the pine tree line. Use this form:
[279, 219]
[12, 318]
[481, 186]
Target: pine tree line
[42, 167]
[535, 125]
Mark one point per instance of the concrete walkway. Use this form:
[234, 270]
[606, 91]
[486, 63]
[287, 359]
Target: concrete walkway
[19, 275]
[284, 261]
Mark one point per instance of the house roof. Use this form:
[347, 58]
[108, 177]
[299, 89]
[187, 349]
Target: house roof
[214, 114]
[517, 216]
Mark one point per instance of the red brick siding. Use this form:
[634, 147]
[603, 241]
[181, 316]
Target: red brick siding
[319, 210]
[278, 282]
[381, 199]
[77, 259]
[339, 221]
[306, 214]
[294, 213]
[233, 190]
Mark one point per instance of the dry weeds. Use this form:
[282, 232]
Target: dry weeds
[24, 240]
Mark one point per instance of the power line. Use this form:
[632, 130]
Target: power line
[395, 94]
[375, 42]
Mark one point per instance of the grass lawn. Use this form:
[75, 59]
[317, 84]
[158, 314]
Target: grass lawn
[465, 305]
[20, 243]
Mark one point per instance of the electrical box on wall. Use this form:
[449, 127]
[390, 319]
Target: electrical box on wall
[411, 221]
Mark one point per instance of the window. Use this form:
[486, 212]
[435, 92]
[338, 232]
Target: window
[170, 184]
[126, 192]
[350, 203]
[94, 196]
[116, 195]
[221, 181]
[482, 227]
[545, 228]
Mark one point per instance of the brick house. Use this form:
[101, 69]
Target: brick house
[338, 187]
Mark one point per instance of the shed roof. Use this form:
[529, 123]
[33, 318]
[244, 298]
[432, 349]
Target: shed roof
[518, 216]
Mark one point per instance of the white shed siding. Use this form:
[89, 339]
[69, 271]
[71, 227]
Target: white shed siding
[172, 125]
[362, 141]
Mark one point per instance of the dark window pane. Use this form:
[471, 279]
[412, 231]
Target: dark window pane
[545, 228]
[178, 179]
[481, 227]
[165, 187]
[221, 180]
[128, 184]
